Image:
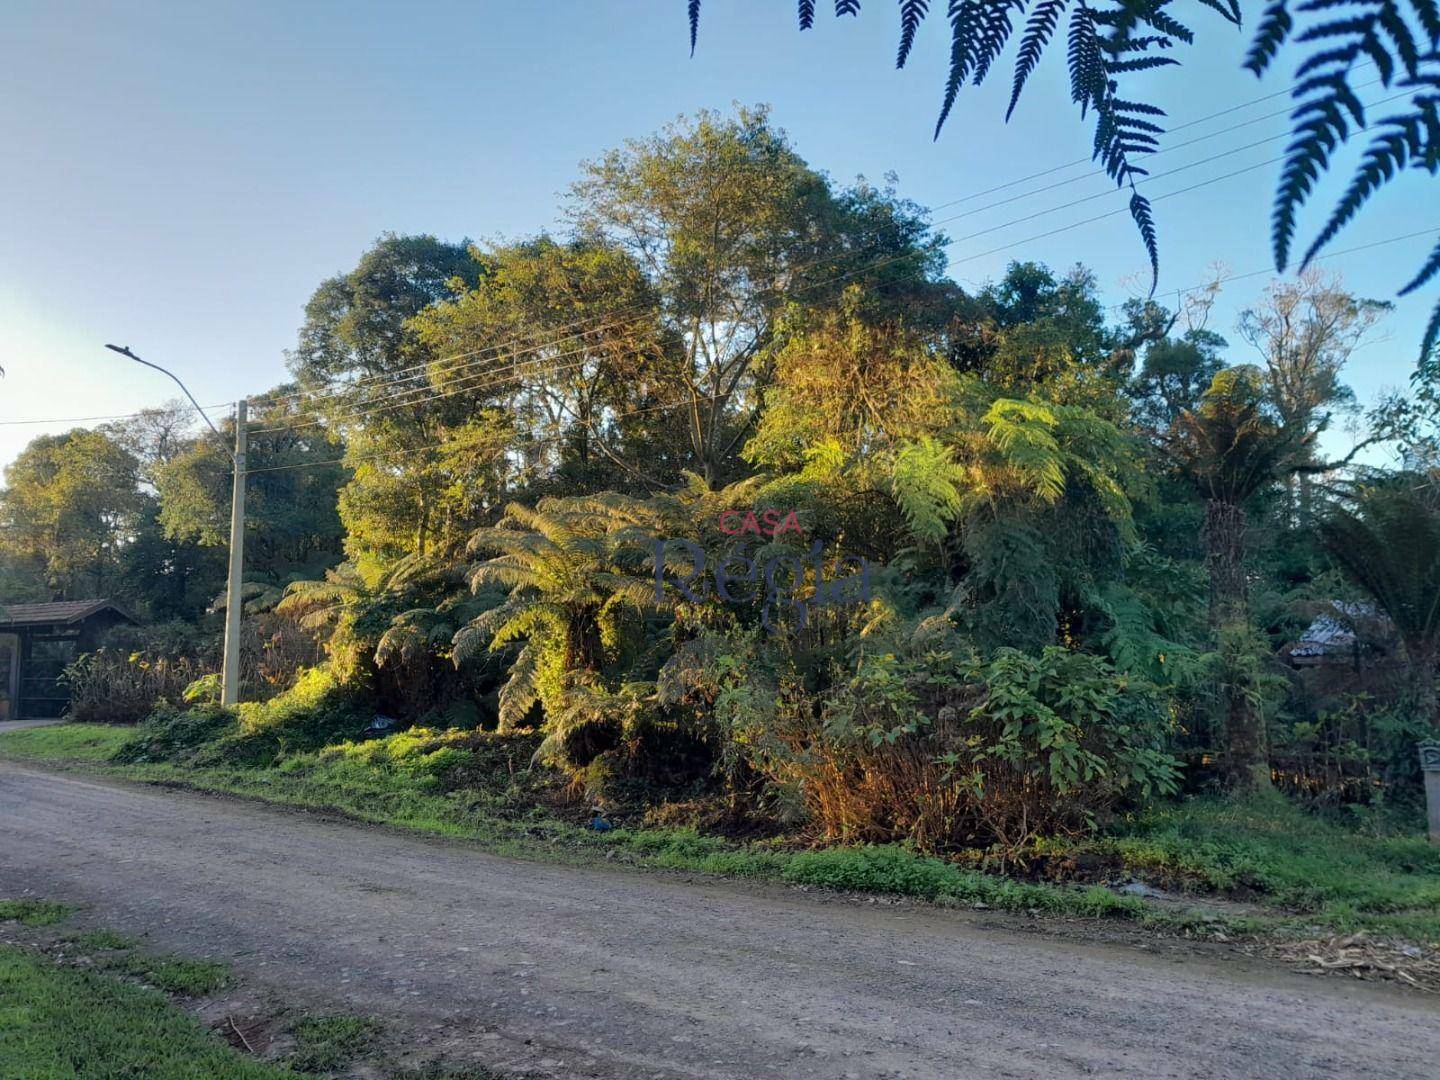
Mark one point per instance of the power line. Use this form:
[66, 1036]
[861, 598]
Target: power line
[386, 454]
[1227, 278]
[496, 375]
[421, 394]
[388, 380]
[1178, 127]
[90, 419]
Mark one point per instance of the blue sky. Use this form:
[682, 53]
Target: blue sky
[180, 177]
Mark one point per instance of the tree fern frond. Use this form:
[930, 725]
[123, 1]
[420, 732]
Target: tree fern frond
[1038, 32]
[1387, 155]
[694, 24]
[1429, 270]
[1145, 222]
[962, 42]
[847, 7]
[520, 692]
[1428, 13]
[1229, 9]
[912, 14]
[1274, 29]
[995, 28]
[1322, 126]
[806, 13]
[925, 482]
[1432, 336]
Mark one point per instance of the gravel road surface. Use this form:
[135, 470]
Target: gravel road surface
[554, 970]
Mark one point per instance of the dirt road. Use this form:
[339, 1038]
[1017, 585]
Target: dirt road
[560, 971]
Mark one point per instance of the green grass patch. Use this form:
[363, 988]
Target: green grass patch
[65, 742]
[35, 912]
[326, 1043]
[173, 974]
[1271, 852]
[59, 1023]
[102, 941]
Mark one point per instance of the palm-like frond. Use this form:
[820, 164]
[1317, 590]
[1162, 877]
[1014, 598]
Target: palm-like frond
[1230, 446]
[1400, 38]
[1109, 39]
[926, 483]
[1388, 542]
[520, 692]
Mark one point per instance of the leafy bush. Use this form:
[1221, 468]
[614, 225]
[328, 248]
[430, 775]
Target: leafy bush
[313, 713]
[170, 733]
[944, 752]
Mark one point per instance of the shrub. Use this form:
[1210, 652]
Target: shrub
[171, 733]
[944, 752]
[313, 713]
[114, 686]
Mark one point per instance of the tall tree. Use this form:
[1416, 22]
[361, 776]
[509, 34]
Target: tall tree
[573, 345]
[70, 506]
[292, 526]
[1305, 331]
[1229, 447]
[366, 375]
[730, 225]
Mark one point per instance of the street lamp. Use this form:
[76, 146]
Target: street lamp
[230, 671]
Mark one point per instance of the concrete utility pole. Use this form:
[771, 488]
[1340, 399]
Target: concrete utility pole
[230, 677]
[1430, 766]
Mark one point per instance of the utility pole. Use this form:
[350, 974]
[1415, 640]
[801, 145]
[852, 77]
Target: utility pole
[230, 678]
[230, 672]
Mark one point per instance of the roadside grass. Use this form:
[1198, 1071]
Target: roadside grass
[1271, 852]
[177, 975]
[90, 1004]
[34, 912]
[72, 742]
[61, 1023]
[327, 1043]
[1301, 871]
[102, 941]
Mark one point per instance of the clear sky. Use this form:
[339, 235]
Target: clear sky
[179, 177]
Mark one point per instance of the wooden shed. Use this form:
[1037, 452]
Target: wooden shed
[37, 641]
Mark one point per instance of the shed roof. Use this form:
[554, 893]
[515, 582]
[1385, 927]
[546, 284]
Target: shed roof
[63, 612]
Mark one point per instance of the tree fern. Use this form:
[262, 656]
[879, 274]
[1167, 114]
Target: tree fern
[926, 484]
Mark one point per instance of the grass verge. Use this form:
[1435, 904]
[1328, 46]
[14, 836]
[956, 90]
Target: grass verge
[1298, 871]
[34, 912]
[60, 1023]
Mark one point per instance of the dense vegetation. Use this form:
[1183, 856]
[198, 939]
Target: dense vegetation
[730, 510]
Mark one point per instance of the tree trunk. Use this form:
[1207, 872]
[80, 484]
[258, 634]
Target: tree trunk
[1225, 563]
[1246, 761]
[1421, 665]
[422, 530]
